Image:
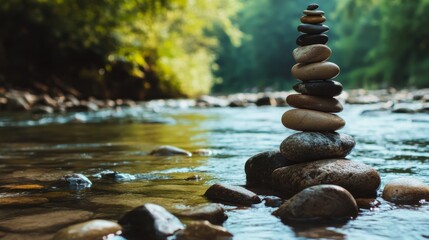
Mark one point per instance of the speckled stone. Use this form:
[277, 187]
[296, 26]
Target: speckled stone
[312, 53]
[322, 88]
[91, 230]
[359, 179]
[231, 195]
[312, 146]
[313, 19]
[309, 39]
[406, 191]
[314, 103]
[259, 167]
[315, 71]
[310, 120]
[312, 28]
[322, 202]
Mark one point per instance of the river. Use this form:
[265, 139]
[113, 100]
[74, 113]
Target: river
[396, 145]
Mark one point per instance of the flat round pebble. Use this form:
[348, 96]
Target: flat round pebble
[319, 88]
[313, 6]
[309, 39]
[315, 71]
[313, 19]
[310, 120]
[313, 12]
[406, 191]
[312, 28]
[312, 53]
[314, 103]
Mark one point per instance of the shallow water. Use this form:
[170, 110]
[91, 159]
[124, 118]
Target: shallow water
[36, 150]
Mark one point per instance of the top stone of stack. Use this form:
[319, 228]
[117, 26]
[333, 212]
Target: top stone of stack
[313, 6]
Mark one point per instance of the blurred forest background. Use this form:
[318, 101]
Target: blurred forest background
[144, 49]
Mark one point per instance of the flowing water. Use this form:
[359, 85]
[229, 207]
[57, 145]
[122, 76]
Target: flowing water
[38, 149]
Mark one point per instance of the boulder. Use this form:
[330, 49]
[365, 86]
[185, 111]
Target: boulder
[322, 202]
[149, 221]
[259, 167]
[359, 179]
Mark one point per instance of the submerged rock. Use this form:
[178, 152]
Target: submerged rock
[115, 176]
[202, 152]
[22, 201]
[169, 151]
[406, 191]
[203, 230]
[367, 203]
[359, 179]
[311, 146]
[319, 202]
[212, 212]
[77, 181]
[91, 230]
[273, 201]
[259, 167]
[231, 195]
[149, 221]
[45, 222]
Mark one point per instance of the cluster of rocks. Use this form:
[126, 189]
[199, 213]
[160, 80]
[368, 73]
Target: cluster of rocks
[16, 100]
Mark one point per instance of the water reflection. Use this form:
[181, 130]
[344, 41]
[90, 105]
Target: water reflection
[39, 152]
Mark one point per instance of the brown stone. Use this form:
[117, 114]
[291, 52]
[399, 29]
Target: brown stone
[406, 191]
[231, 195]
[44, 222]
[359, 179]
[313, 19]
[367, 203]
[310, 120]
[22, 186]
[314, 103]
[319, 202]
[203, 230]
[312, 53]
[212, 212]
[315, 71]
[91, 230]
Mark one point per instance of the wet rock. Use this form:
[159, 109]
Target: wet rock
[359, 179]
[404, 110]
[273, 201]
[314, 103]
[169, 151]
[83, 106]
[406, 191]
[266, 101]
[259, 167]
[211, 212]
[202, 152]
[194, 178]
[209, 101]
[313, 12]
[91, 230]
[325, 202]
[77, 181]
[238, 103]
[149, 221]
[311, 146]
[319, 88]
[310, 120]
[315, 71]
[40, 109]
[231, 195]
[367, 203]
[312, 28]
[45, 222]
[310, 39]
[115, 176]
[17, 103]
[203, 230]
[36, 174]
[25, 236]
[22, 201]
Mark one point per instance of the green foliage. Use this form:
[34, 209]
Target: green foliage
[113, 48]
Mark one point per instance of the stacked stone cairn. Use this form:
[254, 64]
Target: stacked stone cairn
[311, 167]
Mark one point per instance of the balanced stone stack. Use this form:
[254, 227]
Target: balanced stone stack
[316, 155]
